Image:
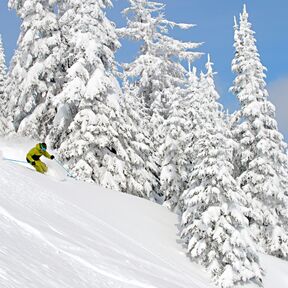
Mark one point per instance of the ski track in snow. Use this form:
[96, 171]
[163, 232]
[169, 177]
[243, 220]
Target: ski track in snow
[37, 234]
[29, 229]
[141, 247]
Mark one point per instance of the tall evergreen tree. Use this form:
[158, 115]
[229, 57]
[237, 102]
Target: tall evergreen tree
[262, 162]
[213, 225]
[192, 102]
[181, 133]
[141, 179]
[156, 73]
[5, 124]
[173, 165]
[3, 73]
[88, 125]
[33, 77]
[90, 43]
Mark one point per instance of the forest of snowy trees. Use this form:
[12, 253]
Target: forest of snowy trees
[153, 128]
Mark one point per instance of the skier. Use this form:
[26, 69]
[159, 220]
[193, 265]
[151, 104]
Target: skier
[33, 157]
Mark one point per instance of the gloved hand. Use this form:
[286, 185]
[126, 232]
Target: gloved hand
[52, 157]
[33, 163]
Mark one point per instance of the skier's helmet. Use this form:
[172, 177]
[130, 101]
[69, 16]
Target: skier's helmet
[43, 146]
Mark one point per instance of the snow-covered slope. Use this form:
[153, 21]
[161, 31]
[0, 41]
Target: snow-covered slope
[71, 235]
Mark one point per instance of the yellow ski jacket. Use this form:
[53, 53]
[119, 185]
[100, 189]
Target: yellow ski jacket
[35, 153]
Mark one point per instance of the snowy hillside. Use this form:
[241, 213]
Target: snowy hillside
[67, 234]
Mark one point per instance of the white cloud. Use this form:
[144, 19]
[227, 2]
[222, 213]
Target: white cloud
[278, 91]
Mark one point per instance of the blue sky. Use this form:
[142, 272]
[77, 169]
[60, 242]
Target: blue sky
[214, 20]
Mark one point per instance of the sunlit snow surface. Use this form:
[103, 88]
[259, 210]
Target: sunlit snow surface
[59, 234]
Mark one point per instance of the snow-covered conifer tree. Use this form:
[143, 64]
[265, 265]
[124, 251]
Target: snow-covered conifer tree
[88, 46]
[5, 125]
[3, 73]
[88, 124]
[261, 160]
[192, 100]
[173, 166]
[177, 150]
[155, 69]
[213, 224]
[156, 73]
[141, 179]
[33, 77]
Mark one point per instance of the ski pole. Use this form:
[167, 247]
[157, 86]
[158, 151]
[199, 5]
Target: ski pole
[68, 173]
[13, 160]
